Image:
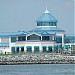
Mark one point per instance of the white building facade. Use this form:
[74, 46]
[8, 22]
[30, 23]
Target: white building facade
[47, 37]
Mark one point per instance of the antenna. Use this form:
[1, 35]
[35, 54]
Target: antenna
[46, 4]
[46, 11]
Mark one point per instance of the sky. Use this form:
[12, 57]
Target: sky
[21, 15]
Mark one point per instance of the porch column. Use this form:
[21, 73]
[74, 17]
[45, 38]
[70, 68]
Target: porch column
[25, 50]
[40, 49]
[26, 37]
[52, 49]
[62, 40]
[41, 37]
[32, 49]
[19, 49]
[17, 38]
[47, 49]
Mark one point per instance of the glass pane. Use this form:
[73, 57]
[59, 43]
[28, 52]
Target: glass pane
[21, 38]
[45, 37]
[50, 49]
[36, 48]
[29, 49]
[13, 39]
[13, 49]
[17, 49]
[58, 39]
[33, 37]
[44, 48]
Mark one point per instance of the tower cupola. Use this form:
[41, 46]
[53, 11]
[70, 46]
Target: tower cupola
[46, 19]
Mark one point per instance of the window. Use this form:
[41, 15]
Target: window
[45, 37]
[73, 47]
[44, 48]
[51, 38]
[58, 39]
[53, 23]
[36, 48]
[17, 49]
[69, 40]
[39, 24]
[13, 39]
[46, 24]
[50, 49]
[21, 38]
[29, 49]
[33, 37]
[13, 49]
[22, 49]
[4, 39]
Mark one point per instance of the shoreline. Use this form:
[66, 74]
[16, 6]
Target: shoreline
[36, 59]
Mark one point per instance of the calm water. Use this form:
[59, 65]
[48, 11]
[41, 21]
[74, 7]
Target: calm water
[38, 69]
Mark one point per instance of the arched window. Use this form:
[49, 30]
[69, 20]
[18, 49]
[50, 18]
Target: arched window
[33, 37]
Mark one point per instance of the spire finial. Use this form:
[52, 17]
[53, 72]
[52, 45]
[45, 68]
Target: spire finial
[46, 4]
[46, 11]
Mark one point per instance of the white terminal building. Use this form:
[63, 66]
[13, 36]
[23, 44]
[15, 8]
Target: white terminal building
[47, 37]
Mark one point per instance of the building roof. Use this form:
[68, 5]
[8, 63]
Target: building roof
[70, 35]
[40, 30]
[46, 17]
[4, 44]
[11, 33]
[46, 30]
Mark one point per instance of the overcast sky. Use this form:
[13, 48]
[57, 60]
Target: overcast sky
[21, 14]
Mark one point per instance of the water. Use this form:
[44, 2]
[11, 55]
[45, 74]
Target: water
[38, 69]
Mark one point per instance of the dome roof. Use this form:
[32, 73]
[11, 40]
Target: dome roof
[46, 17]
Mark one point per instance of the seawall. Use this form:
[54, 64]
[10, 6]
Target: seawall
[37, 59]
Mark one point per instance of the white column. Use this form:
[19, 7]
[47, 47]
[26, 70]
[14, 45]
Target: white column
[32, 49]
[52, 49]
[47, 49]
[19, 50]
[17, 38]
[62, 40]
[25, 50]
[9, 40]
[15, 50]
[40, 49]
[26, 37]
[53, 38]
[41, 37]
[10, 43]
[0, 39]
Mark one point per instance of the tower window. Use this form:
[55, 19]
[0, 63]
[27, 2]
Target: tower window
[46, 24]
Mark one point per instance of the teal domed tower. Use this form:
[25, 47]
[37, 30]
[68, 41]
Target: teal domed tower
[46, 20]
